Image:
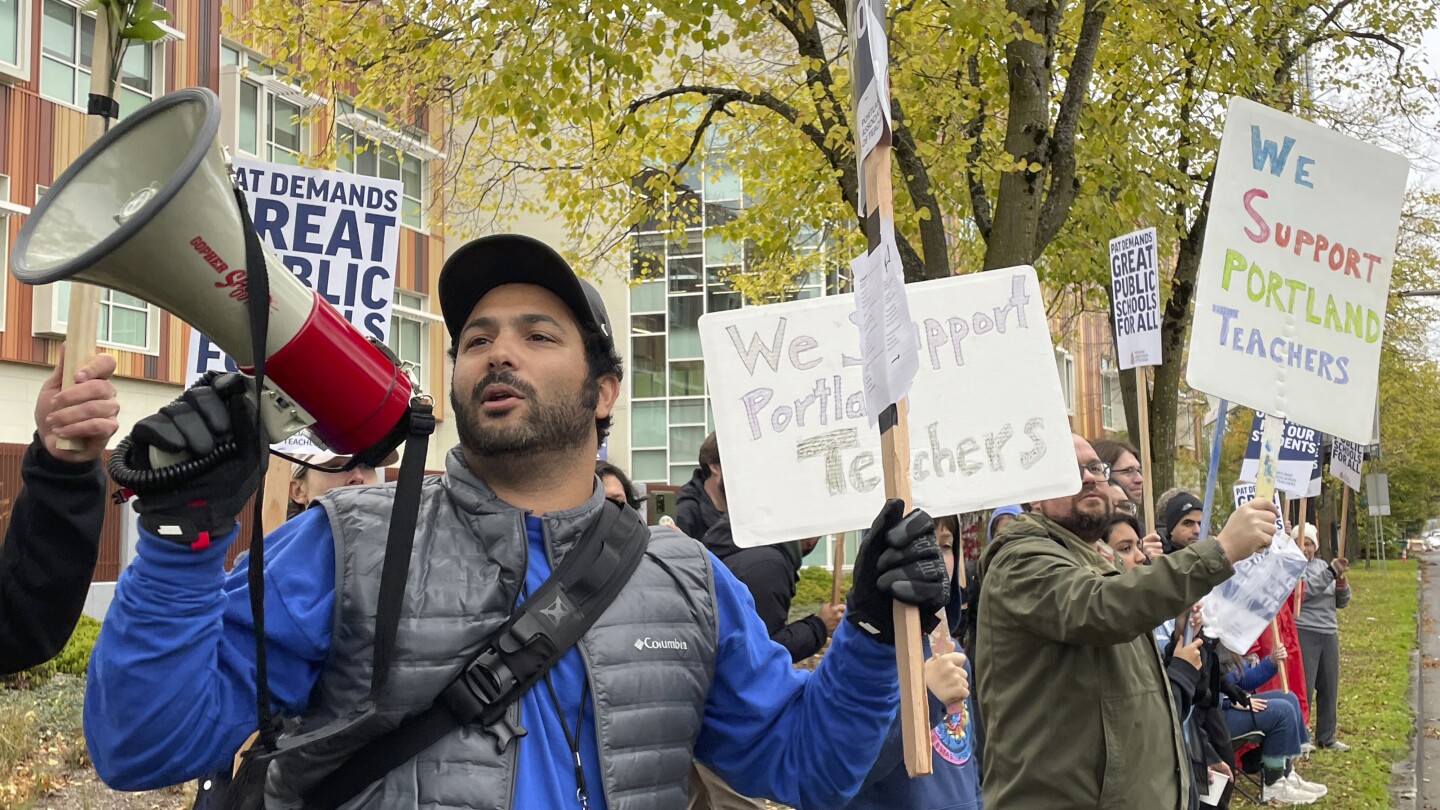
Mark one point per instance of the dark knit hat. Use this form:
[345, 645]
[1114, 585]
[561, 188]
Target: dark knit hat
[1182, 504]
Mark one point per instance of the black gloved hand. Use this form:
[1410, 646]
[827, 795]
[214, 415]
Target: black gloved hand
[899, 560]
[190, 502]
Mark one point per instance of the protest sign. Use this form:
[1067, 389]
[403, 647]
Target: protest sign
[1295, 272]
[1245, 493]
[339, 233]
[1299, 457]
[1240, 608]
[989, 425]
[1135, 298]
[1346, 458]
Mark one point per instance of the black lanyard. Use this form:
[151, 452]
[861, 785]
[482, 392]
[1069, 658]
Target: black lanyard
[581, 795]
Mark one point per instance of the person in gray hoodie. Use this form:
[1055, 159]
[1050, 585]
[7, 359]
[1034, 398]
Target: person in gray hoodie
[1325, 590]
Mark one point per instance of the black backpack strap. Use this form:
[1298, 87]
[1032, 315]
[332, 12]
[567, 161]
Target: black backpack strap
[547, 624]
[246, 790]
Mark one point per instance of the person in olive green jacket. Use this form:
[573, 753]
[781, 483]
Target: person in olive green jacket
[1077, 709]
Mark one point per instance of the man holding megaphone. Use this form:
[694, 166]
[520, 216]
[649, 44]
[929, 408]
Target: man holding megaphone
[551, 651]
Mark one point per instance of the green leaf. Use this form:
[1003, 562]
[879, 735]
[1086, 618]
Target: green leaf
[146, 31]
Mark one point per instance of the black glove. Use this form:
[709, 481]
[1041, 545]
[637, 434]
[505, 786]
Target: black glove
[899, 560]
[213, 423]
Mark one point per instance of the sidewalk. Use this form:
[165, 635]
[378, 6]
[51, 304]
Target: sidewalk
[1427, 695]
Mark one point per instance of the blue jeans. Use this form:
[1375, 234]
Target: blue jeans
[1280, 720]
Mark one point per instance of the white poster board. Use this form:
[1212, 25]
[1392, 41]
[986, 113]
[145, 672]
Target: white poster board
[988, 425]
[1295, 272]
[1346, 458]
[1135, 298]
[339, 233]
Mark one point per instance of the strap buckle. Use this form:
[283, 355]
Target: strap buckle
[482, 683]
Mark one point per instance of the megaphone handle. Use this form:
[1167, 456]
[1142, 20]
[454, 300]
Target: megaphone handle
[81, 324]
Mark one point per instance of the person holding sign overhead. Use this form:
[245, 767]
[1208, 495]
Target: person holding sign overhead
[676, 666]
[1054, 614]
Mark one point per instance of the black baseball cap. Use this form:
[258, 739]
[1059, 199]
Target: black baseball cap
[483, 264]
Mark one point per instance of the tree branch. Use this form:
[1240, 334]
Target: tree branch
[1063, 186]
[974, 130]
[917, 181]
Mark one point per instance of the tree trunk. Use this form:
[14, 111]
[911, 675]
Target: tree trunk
[1027, 123]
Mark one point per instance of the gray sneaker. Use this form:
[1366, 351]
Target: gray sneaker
[1336, 746]
[1306, 749]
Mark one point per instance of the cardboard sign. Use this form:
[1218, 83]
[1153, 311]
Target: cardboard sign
[1346, 458]
[1295, 272]
[339, 233]
[988, 425]
[1135, 297]
[1298, 462]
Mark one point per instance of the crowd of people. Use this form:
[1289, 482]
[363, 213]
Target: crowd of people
[683, 689]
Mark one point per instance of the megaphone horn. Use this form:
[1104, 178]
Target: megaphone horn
[149, 210]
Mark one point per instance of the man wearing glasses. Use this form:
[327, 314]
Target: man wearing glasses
[1053, 613]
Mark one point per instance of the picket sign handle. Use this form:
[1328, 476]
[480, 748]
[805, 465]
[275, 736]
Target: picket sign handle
[909, 656]
[838, 575]
[1142, 395]
[1271, 437]
[82, 319]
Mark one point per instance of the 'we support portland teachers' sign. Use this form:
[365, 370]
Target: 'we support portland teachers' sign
[1293, 279]
[988, 425]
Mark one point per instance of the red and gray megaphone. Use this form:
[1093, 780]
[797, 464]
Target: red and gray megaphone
[150, 210]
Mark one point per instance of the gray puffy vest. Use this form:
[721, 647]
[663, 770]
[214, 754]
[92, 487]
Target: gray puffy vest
[466, 572]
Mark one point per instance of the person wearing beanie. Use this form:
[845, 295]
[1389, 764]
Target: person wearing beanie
[1182, 521]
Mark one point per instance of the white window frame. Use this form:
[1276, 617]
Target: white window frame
[19, 71]
[7, 210]
[250, 71]
[83, 72]
[1065, 369]
[50, 320]
[1109, 393]
[416, 314]
[365, 126]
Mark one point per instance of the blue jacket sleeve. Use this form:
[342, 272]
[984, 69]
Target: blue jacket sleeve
[1254, 676]
[171, 687]
[804, 739]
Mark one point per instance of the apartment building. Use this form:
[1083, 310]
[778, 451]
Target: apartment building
[45, 55]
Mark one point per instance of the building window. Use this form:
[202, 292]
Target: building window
[409, 332]
[676, 279]
[1109, 394]
[370, 148]
[264, 116]
[1065, 367]
[15, 39]
[125, 322]
[66, 38]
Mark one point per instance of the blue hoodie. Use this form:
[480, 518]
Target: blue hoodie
[954, 751]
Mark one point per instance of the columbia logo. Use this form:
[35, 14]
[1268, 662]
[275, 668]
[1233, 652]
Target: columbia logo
[648, 643]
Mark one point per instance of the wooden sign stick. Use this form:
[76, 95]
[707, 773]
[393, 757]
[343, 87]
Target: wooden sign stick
[837, 576]
[878, 216]
[1296, 596]
[1142, 394]
[82, 320]
[1344, 520]
[1272, 436]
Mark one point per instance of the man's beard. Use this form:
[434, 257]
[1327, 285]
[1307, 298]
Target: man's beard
[566, 421]
[1087, 527]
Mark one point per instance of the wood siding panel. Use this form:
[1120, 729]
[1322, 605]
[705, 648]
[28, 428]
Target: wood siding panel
[107, 568]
